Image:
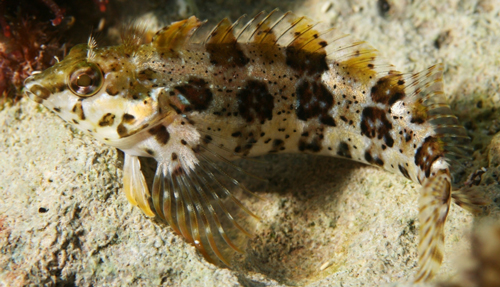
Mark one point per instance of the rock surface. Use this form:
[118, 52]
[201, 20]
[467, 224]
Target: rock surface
[326, 222]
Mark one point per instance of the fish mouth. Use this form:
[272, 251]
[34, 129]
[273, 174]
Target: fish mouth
[35, 91]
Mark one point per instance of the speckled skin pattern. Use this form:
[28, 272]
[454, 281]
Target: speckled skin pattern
[277, 84]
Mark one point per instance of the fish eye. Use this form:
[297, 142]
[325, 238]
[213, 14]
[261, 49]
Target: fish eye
[85, 80]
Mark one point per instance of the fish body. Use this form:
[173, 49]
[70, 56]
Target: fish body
[276, 84]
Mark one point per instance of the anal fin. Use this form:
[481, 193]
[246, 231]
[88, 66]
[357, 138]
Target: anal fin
[434, 202]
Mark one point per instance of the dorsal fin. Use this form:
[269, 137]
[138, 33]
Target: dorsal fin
[304, 39]
[263, 30]
[223, 47]
[173, 37]
[303, 34]
[427, 87]
[222, 33]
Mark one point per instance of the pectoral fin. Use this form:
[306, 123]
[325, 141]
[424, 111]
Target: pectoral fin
[135, 186]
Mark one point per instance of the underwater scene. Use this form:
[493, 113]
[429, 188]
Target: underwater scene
[249, 143]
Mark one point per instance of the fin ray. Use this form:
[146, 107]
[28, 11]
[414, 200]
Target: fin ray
[195, 201]
[434, 202]
[211, 211]
[176, 35]
[134, 184]
[222, 206]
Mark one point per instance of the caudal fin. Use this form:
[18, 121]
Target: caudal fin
[434, 202]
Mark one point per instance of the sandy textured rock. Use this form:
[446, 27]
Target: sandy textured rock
[326, 222]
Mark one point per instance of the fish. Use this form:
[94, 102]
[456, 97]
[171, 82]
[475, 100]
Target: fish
[193, 96]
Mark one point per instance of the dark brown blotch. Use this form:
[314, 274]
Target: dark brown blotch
[178, 171]
[122, 130]
[344, 150]
[59, 87]
[160, 133]
[128, 118]
[78, 110]
[418, 112]
[255, 102]
[40, 92]
[374, 123]
[227, 55]
[207, 139]
[314, 145]
[146, 75]
[388, 89]
[112, 90]
[404, 171]
[373, 159]
[314, 100]
[278, 145]
[197, 93]
[306, 62]
[107, 120]
[430, 150]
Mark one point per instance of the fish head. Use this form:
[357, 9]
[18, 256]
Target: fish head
[100, 91]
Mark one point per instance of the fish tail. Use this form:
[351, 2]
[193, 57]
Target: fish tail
[434, 202]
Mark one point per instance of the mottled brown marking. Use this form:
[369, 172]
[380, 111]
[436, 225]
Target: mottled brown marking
[314, 100]
[418, 112]
[174, 156]
[373, 160]
[278, 145]
[343, 150]
[360, 67]
[40, 92]
[404, 171]
[306, 62]
[112, 90]
[255, 102]
[59, 87]
[128, 118]
[314, 145]
[388, 89]
[146, 75]
[227, 55]
[122, 130]
[78, 110]
[197, 93]
[150, 151]
[107, 120]
[160, 133]
[374, 123]
[430, 150]
[178, 171]
[207, 139]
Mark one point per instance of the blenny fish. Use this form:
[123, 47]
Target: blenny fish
[191, 97]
